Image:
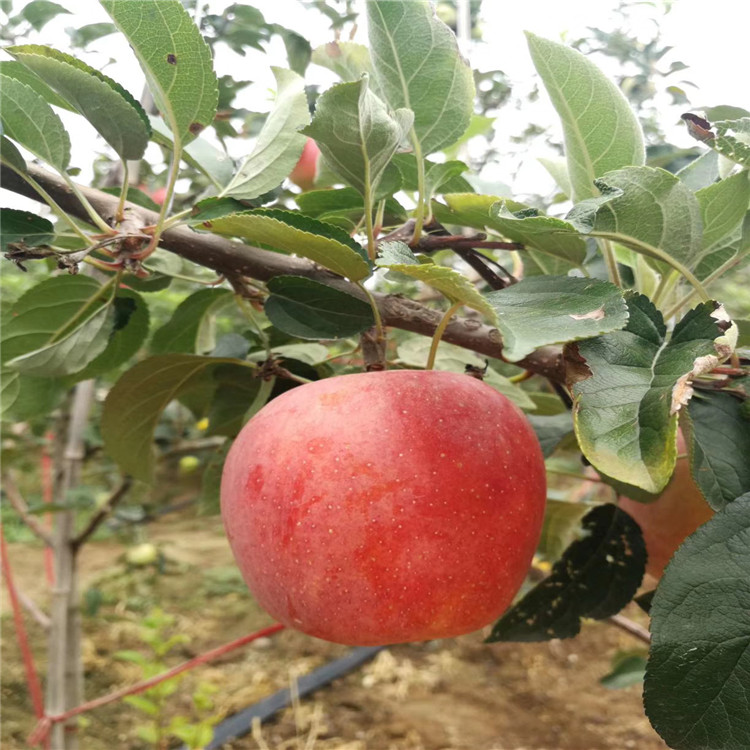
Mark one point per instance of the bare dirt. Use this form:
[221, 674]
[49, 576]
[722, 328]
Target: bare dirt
[455, 694]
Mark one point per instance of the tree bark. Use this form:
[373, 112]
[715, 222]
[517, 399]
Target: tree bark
[235, 259]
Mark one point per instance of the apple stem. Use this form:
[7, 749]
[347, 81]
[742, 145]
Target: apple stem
[452, 310]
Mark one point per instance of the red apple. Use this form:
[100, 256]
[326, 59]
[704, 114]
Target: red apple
[303, 174]
[159, 195]
[385, 507]
[672, 517]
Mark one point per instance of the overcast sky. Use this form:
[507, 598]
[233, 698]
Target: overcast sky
[710, 37]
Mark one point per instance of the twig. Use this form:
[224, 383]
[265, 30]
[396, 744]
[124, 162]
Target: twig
[19, 504]
[193, 446]
[100, 516]
[431, 243]
[31, 607]
[626, 624]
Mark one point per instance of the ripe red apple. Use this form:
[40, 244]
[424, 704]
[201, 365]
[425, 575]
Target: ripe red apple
[303, 174]
[672, 517]
[385, 507]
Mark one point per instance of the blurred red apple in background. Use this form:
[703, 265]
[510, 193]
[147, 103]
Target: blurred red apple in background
[385, 507]
[672, 517]
[303, 174]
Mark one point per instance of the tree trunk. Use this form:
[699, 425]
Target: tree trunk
[65, 673]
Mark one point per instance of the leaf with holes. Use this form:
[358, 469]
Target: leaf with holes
[695, 689]
[601, 131]
[175, 60]
[292, 232]
[117, 117]
[543, 310]
[135, 403]
[719, 447]
[418, 66]
[58, 327]
[356, 133]
[457, 288]
[307, 309]
[279, 143]
[31, 122]
[595, 578]
[632, 383]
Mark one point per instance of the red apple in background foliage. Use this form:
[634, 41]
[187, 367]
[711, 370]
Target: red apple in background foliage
[672, 517]
[303, 174]
[385, 507]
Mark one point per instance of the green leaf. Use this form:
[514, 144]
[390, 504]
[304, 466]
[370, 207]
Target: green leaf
[418, 66]
[23, 227]
[561, 527]
[695, 689]
[236, 392]
[543, 310]
[291, 232]
[595, 578]
[733, 140]
[348, 60]
[135, 403]
[113, 112]
[175, 59]
[628, 669]
[129, 331]
[720, 447]
[558, 170]
[440, 177]
[643, 208]
[633, 383]
[457, 288]
[308, 309]
[58, 327]
[414, 352]
[701, 172]
[723, 207]
[279, 143]
[551, 429]
[310, 354]
[14, 69]
[143, 704]
[82, 36]
[30, 121]
[356, 133]
[209, 501]
[471, 210]
[39, 12]
[11, 156]
[547, 234]
[601, 131]
[190, 329]
[217, 165]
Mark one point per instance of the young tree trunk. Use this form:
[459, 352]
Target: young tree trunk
[65, 673]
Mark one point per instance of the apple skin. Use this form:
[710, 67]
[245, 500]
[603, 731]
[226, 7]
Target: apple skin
[673, 516]
[385, 507]
[303, 174]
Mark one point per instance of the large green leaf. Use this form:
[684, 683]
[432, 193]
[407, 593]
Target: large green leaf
[414, 353]
[118, 118]
[546, 234]
[14, 69]
[644, 208]
[356, 133]
[30, 121]
[190, 329]
[633, 383]
[723, 206]
[23, 227]
[294, 233]
[601, 132]
[58, 327]
[307, 309]
[543, 310]
[135, 403]
[175, 59]
[129, 331]
[701, 172]
[695, 691]
[457, 288]
[720, 447]
[471, 210]
[279, 143]
[348, 60]
[418, 66]
[440, 177]
[595, 578]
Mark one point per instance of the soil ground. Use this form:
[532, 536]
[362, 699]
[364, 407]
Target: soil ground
[457, 694]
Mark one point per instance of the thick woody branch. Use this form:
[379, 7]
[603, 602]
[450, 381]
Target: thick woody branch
[232, 259]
